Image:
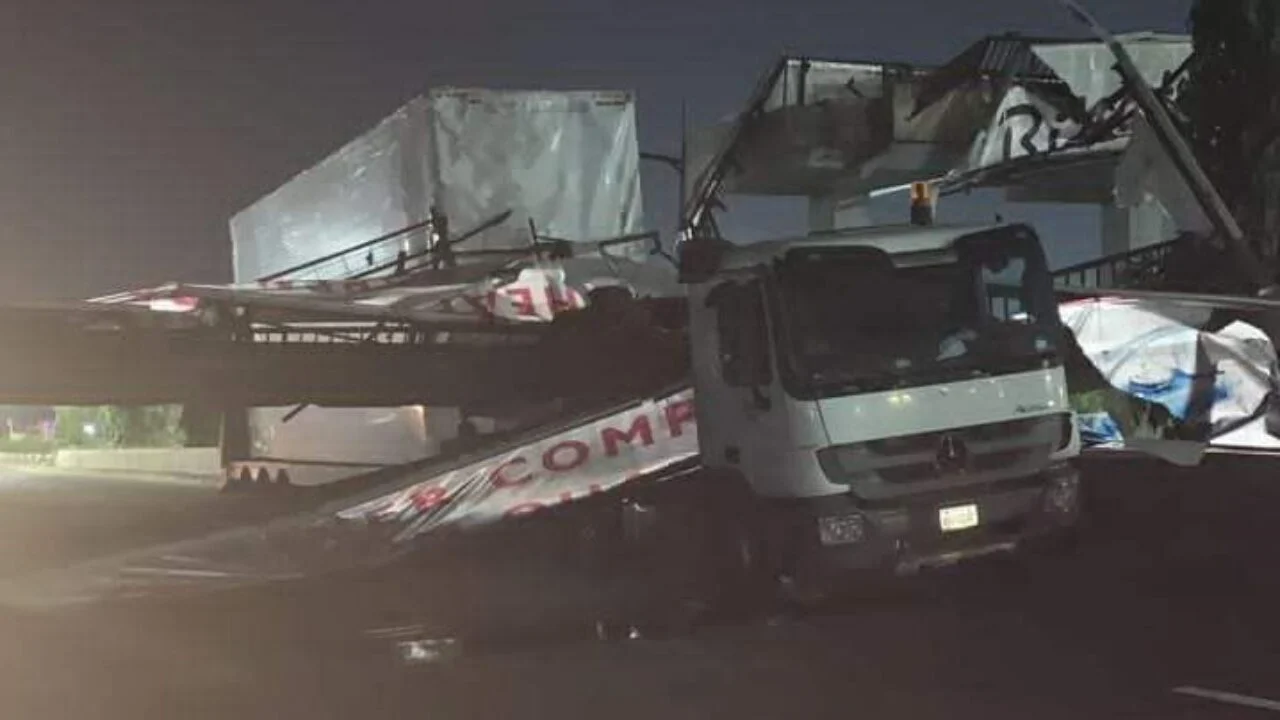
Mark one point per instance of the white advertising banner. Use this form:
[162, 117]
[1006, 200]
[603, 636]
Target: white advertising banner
[1023, 125]
[591, 458]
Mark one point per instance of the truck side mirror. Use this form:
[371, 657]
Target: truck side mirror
[755, 355]
[700, 260]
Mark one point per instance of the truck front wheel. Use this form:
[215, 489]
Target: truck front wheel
[737, 555]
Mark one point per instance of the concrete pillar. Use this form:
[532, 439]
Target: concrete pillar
[853, 213]
[235, 437]
[441, 426]
[1132, 228]
[821, 213]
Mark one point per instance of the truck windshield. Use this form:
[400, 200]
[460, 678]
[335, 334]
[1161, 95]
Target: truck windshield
[855, 320]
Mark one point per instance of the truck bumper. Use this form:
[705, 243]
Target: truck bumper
[829, 537]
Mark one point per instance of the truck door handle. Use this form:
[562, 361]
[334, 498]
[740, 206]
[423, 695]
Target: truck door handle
[732, 454]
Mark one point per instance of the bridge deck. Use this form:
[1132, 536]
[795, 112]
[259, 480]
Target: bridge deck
[79, 355]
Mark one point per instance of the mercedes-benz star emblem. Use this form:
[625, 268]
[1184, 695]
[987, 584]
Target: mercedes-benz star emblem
[953, 455]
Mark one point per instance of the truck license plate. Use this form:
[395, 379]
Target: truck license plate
[960, 517]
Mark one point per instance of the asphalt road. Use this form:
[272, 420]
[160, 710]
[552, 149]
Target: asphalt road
[1174, 589]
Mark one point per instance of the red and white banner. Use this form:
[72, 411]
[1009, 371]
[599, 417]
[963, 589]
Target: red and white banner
[568, 466]
[537, 294]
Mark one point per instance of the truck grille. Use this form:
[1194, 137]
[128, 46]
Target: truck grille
[961, 453]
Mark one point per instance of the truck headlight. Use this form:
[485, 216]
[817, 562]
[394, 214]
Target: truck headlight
[1066, 430]
[842, 529]
[1063, 495]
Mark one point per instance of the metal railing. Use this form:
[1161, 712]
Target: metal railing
[352, 260]
[1129, 270]
[1133, 269]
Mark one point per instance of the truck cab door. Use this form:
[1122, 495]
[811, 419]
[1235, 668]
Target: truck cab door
[734, 375]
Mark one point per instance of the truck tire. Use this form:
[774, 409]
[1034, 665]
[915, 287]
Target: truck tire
[735, 554]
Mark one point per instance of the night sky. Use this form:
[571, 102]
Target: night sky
[133, 129]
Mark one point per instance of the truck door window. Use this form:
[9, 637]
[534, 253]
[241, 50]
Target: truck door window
[1012, 275]
[1005, 290]
[742, 333]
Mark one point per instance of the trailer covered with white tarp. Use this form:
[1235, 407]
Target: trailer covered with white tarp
[548, 165]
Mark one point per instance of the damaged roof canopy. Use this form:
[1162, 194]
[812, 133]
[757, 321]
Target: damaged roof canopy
[1000, 108]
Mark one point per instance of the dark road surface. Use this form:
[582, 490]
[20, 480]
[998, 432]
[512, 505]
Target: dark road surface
[1175, 587]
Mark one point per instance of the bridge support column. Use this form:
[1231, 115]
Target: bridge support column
[822, 213]
[853, 213]
[234, 439]
[1132, 228]
[441, 426]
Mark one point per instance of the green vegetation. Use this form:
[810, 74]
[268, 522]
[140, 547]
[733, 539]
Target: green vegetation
[27, 445]
[157, 426]
[1231, 99]
[1136, 418]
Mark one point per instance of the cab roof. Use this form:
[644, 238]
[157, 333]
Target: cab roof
[893, 239]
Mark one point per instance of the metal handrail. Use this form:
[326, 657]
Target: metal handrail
[1115, 271]
[395, 234]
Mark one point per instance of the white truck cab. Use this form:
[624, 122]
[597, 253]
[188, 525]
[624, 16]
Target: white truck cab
[892, 397]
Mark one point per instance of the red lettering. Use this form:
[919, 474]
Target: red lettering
[558, 301]
[429, 498]
[498, 478]
[640, 427]
[523, 299]
[678, 415]
[552, 459]
[524, 508]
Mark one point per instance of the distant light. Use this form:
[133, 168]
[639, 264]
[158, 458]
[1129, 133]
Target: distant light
[90, 429]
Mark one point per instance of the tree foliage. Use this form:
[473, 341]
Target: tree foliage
[152, 426]
[1232, 99]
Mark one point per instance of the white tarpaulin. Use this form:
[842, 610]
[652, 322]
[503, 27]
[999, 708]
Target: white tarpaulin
[1158, 353]
[567, 161]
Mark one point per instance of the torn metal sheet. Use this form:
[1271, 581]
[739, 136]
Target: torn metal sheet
[372, 186]
[1146, 172]
[566, 161]
[515, 293]
[1088, 68]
